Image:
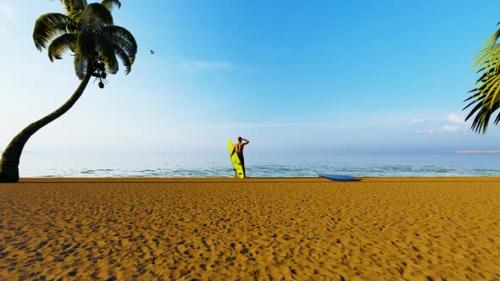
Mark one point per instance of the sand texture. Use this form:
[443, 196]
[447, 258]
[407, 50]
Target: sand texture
[257, 229]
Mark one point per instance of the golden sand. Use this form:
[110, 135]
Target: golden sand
[257, 229]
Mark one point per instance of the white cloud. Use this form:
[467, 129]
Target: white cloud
[447, 128]
[204, 65]
[417, 120]
[7, 12]
[450, 128]
[455, 118]
[426, 132]
[454, 123]
[7, 16]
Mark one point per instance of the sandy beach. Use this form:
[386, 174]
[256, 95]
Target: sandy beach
[256, 229]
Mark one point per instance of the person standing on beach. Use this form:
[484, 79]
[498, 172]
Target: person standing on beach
[238, 149]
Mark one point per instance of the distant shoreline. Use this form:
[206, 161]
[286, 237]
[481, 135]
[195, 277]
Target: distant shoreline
[477, 151]
[249, 180]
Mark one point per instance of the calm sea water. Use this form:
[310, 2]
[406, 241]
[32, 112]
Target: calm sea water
[135, 164]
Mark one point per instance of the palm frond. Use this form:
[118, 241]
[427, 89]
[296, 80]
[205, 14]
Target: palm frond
[108, 56]
[493, 89]
[60, 45]
[122, 38]
[110, 3]
[485, 98]
[88, 31]
[489, 55]
[482, 118]
[497, 120]
[474, 110]
[74, 7]
[49, 26]
[125, 59]
[96, 16]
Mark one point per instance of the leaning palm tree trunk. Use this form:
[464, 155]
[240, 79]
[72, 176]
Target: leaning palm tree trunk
[9, 164]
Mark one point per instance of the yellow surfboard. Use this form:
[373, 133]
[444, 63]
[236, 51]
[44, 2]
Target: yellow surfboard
[235, 160]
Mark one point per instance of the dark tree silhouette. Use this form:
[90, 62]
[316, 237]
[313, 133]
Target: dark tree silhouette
[87, 31]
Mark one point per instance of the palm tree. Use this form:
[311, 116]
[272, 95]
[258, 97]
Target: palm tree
[485, 99]
[87, 31]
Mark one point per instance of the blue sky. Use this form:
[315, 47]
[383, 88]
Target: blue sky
[385, 75]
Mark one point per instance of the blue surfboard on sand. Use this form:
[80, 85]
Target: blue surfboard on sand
[338, 177]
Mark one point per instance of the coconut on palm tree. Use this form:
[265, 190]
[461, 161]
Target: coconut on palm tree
[88, 32]
[485, 99]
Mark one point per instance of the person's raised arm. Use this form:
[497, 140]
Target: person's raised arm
[245, 142]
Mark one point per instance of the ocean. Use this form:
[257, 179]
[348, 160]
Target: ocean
[165, 164]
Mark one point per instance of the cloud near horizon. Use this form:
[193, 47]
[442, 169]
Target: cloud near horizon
[456, 118]
[454, 123]
[270, 125]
